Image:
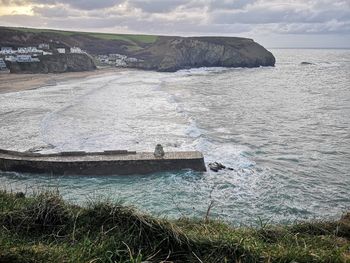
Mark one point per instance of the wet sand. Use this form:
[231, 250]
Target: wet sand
[19, 82]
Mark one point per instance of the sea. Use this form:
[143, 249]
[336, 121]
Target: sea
[284, 130]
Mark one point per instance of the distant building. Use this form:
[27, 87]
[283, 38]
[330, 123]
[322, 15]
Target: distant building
[6, 50]
[47, 53]
[61, 50]
[28, 50]
[2, 64]
[75, 50]
[117, 56]
[26, 58]
[10, 58]
[44, 46]
[131, 60]
[104, 59]
[120, 63]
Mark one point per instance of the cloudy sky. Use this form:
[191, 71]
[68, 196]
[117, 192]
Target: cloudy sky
[273, 23]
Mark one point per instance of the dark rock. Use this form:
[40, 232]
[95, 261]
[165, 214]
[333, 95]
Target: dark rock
[159, 151]
[215, 166]
[306, 63]
[20, 195]
[174, 53]
[57, 63]
[40, 148]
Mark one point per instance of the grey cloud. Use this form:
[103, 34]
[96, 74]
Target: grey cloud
[330, 27]
[229, 4]
[163, 6]
[13, 2]
[190, 17]
[157, 6]
[58, 11]
[263, 15]
[82, 4]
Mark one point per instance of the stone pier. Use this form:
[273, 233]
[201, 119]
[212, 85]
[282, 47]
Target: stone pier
[100, 163]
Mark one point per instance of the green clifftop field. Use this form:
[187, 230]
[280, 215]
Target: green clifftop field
[161, 53]
[45, 228]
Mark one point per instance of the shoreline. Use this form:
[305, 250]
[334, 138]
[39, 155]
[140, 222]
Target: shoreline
[10, 82]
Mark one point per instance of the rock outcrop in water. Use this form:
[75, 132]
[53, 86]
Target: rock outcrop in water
[305, 63]
[57, 63]
[174, 53]
[215, 166]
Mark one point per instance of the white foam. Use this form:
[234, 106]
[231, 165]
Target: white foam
[201, 71]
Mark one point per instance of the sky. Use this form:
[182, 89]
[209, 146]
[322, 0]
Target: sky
[273, 23]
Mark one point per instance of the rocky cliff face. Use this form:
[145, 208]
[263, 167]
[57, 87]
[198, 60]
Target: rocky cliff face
[174, 53]
[161, 53]
[58, 63]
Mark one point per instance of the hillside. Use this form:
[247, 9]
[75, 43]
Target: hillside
[45, 228]
[58, 63]
[161, 53]
[93, 43]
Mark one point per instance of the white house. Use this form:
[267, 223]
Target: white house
[10, 58]
[75, 50]
[61, 50]
[44, 46]
[103, 59]
[47, 53]
[131, 60]
[120, 63]
[7, 51]
[26, 58]
[27, 50]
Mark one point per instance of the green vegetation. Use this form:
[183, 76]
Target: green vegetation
[44, 228]
[132, 39]
[148, 39]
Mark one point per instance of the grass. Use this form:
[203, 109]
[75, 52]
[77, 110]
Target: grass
[132, 39]
[44, 228]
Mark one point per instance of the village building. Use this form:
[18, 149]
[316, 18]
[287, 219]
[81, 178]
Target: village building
[120, 63]
[26, 58]
[104, 59]
[7, 51]
[11, 58]
[76, 50]
[131, 59]
[47, 53]
[28, 50]
[44, 46]
[61, 50]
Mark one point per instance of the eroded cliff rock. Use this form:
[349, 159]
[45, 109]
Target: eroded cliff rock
[57, 63]
[174, 53]
[161, 53]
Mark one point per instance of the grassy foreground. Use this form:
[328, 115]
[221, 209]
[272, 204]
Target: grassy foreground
[44, 228]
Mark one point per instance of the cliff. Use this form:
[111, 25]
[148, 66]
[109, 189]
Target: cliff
[57, 63]
[161, 53]
[174, 53]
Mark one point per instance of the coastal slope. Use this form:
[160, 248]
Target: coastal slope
[58, 63]
[149, 52]
[174, 53]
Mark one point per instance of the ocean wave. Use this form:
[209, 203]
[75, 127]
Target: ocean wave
[201, 71]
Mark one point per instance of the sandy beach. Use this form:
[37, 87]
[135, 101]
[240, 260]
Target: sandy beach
[19, 82]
